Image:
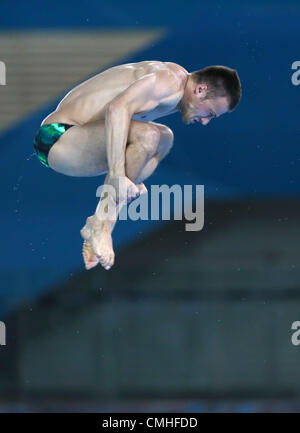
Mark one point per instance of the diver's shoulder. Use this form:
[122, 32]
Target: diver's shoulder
[176, 67]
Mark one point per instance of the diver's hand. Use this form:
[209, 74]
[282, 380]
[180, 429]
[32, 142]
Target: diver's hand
[124, 190]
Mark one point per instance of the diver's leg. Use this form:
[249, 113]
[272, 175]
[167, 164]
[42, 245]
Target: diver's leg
[148, 144]
[81, 151]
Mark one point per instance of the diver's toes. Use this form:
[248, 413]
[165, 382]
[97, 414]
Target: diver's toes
[106, 261]
[85, 233]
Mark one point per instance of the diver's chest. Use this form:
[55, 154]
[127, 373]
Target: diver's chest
[159, 111]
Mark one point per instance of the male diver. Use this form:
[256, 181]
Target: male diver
[105, 125]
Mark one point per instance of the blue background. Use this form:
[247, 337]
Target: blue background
[252, 152]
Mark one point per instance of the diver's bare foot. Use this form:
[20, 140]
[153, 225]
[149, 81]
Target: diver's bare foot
[99, 242]
[97, 245]
[89, 257]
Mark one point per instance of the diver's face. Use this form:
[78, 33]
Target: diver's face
[195, 108]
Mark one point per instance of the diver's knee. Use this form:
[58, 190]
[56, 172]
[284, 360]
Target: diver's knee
[150, 139]
[165, 145]
[166, 140]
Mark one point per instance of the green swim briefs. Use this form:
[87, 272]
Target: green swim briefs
[46, 136]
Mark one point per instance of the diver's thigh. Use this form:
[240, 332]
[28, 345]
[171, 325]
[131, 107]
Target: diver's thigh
[80, 151]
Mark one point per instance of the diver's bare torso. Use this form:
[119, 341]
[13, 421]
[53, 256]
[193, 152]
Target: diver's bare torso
[87, 102]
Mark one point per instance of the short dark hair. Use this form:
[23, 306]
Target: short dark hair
[222, 81]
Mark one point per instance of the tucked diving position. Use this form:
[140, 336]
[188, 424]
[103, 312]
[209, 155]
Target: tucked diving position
[106, 125]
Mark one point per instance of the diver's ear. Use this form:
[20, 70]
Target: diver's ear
[200, 89]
